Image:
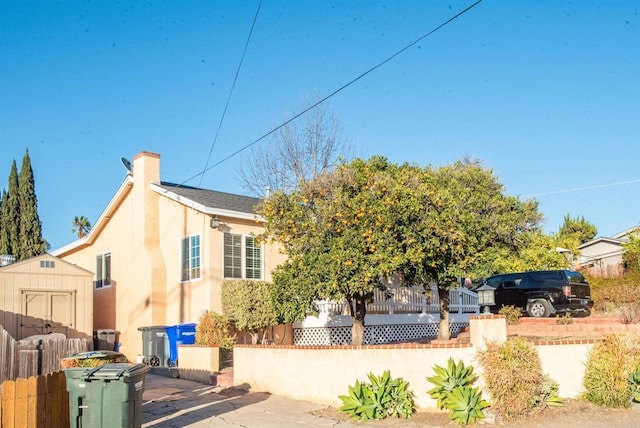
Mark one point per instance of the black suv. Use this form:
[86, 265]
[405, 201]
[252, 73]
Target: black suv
[542, 293]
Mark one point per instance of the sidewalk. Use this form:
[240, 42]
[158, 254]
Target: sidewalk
[171, 402]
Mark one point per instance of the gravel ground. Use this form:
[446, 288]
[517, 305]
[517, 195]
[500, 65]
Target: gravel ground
[574, 414]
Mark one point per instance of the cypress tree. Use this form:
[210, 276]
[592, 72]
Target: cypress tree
[4, 237]
[11, 215]
[31, 242]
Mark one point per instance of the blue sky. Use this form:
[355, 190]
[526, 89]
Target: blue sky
[545, 93]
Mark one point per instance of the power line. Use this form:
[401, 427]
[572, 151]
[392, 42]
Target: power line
[340, 89]
[576, 189]
[235, 79]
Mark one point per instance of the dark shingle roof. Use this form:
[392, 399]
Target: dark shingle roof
[213, 198]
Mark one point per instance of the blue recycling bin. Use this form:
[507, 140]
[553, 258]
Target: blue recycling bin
[181, 334]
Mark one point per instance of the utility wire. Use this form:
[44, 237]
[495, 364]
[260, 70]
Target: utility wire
[235, 79]
[380, 64]
[576, 189]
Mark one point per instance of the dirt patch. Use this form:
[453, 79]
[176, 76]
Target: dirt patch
[574, 414]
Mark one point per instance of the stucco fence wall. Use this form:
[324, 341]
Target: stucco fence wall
[321, 373]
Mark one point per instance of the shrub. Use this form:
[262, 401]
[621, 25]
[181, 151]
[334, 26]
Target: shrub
[248, 305]
[213, 329]
[617, 296]
[565, 319]
[511, 313]
[513, 376]
[379, 398]
[453, 391]
[609, 369]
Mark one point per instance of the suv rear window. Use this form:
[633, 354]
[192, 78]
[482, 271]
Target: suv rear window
[546, 276]
[576, 277]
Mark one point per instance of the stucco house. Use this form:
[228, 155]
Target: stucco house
[602, 256]
[160, 251]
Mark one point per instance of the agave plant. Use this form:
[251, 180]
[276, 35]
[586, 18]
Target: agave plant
[634, 380]
[549, 392]
[381, 398]
[448, 379]
[465, 405]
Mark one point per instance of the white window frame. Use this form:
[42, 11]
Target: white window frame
[193, 258]
[243, 257]
[103, 280]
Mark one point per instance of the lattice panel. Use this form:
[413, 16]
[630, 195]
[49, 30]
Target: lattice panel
[373, 335]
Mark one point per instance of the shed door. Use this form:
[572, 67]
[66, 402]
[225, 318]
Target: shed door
[46, 312]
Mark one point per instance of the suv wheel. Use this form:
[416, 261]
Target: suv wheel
[538, 308]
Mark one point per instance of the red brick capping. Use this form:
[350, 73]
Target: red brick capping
[543, 342]
[486, 317]
[408, 345]
[197, 346]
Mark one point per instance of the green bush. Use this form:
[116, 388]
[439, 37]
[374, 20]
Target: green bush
[511, 314]
[213, 329]
[513, 377]
[379, 398]
[610, 366]
[453, 391]
[248, 305]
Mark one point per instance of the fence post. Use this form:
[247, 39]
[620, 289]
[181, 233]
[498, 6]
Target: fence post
[39, 348]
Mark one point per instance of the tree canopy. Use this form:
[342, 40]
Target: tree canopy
[347, 231]
[20, 227]
[30, 235]
[576, 231]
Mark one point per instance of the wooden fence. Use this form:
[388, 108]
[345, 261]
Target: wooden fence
[26, 358]
[38, 402]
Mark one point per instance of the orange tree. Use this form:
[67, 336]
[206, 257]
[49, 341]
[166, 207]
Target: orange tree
[347, 231]
[467, 224]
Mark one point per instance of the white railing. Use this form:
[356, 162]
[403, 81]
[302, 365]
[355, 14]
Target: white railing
[408, 300]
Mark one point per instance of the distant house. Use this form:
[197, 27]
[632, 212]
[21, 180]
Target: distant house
[160, 251]
[43, 295]
[602, 256]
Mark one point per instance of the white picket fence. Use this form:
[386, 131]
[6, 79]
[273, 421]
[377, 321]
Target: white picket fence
[408, 300]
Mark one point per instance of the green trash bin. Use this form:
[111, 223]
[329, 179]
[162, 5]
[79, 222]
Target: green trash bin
[76, 367]
[106, 396]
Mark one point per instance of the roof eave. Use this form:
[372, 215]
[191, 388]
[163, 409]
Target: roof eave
[203, 208]
[100, 224]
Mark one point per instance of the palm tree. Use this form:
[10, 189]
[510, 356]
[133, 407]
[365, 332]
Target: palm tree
[81, 226]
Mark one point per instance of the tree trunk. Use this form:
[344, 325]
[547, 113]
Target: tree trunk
[444, 332]
[358, 314]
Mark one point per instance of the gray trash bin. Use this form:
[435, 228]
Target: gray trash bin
[155, 346]
[105, 339]
[106, 396]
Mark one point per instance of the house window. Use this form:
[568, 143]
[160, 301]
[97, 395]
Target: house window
[190, 258]
[103, 270]
[253, 258]
[242, 261]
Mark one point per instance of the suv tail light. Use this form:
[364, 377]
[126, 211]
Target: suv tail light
[566, 290]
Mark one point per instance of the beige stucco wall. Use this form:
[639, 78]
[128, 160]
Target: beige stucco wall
[321, 374]
[143, 231]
